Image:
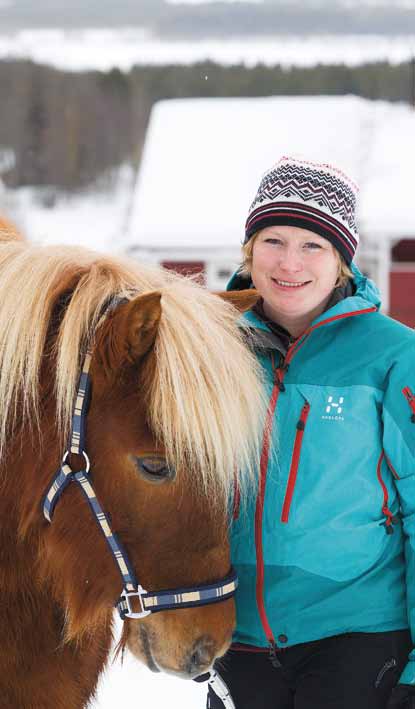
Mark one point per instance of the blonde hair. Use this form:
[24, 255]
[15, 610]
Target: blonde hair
[206, 402]
[343, 275]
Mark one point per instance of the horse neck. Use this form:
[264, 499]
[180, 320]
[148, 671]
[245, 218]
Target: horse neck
[32, 648]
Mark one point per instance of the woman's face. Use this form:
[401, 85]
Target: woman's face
[295, 271]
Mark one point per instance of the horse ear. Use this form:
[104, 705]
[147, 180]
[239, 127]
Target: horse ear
[241, 299]
[130, 333]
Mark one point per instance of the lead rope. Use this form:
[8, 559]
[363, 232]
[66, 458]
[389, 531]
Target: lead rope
[219, 687]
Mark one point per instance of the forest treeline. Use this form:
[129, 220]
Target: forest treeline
[66, 129]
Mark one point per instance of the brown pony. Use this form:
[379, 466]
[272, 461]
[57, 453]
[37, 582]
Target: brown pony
[171, 379]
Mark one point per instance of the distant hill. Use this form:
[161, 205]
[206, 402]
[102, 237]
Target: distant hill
[217, 19]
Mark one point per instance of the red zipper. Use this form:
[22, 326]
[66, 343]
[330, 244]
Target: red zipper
[259, 510]
[278, 387]
[409, 396]
[391, 468]
[389, 518]
[279, 374]
[292, 477]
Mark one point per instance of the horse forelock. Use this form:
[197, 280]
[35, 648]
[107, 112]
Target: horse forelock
[205, 398]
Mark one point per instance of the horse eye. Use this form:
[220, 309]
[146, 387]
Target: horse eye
[155, 469]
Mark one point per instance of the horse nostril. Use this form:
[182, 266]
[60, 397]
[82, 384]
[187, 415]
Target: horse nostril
[201, 655]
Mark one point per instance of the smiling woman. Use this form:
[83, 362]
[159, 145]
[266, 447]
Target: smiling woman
[324, 549]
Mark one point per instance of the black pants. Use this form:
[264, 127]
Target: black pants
[352, 671]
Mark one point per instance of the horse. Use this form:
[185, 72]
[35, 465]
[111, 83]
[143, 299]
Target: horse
[173, 419]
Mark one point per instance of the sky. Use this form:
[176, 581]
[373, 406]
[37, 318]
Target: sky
[351, 3]
[201, 2]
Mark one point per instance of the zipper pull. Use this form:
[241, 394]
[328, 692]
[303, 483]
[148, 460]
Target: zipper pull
[411, 401]
[390, 520]
[301, 420]
[278, 381]
[273, 655]
[409, 395]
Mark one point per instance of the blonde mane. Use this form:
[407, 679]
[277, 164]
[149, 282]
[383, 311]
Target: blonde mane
[206, 402]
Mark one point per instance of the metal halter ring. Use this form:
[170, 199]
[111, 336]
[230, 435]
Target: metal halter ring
[126, 595]
[86, 459]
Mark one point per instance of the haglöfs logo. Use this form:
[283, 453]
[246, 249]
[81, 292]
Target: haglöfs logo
[334, 409]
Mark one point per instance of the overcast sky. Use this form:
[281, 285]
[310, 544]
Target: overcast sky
[199, 2]
[410, 4]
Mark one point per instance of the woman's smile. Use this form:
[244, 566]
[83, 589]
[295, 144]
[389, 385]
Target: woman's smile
[287, 285]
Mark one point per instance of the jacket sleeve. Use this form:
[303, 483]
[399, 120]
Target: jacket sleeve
[399, 448]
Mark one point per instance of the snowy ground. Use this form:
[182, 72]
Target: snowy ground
[103, 49]
[134, 686]
[95, 218]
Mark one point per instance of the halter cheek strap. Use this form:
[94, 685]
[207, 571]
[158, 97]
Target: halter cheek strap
[148, 602]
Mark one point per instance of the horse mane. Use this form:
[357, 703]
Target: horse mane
[8, 231]
[208, 415]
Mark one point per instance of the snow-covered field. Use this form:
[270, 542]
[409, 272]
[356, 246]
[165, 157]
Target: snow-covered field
[132, 685]
[103, 49]
[95, 218]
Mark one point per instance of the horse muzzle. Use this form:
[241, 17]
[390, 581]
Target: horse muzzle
[178, 660]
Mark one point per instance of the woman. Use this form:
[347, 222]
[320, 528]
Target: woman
[325, 553]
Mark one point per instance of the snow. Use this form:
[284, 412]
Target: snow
[102, 49]
[94, 218]
[133, 685]
[204, 158]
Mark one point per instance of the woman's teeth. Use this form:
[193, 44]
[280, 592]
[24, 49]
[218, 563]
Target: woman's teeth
[289, 284]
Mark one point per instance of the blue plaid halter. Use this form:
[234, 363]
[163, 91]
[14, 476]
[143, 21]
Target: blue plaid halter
[148, 602]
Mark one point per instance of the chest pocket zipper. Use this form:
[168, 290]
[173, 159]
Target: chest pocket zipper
[295, 461]
[411, 401]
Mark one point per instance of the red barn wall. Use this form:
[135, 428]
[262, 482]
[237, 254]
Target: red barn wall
[188, 268]
[402, 282]
[402, 293]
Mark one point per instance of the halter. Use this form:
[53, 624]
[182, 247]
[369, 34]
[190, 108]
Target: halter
[148, 602]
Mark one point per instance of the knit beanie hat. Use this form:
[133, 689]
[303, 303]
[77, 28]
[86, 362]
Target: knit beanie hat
[310, 195]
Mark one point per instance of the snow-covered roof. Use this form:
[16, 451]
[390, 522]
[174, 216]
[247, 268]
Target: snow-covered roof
[203, 160]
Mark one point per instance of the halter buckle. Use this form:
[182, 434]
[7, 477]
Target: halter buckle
[126, 595]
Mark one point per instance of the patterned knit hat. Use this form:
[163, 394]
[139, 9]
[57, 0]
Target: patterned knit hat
[309, 195]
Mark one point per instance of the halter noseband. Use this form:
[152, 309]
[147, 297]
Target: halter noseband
[148, 602]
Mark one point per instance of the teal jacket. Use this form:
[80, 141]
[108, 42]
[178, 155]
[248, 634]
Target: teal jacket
[327, 544]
